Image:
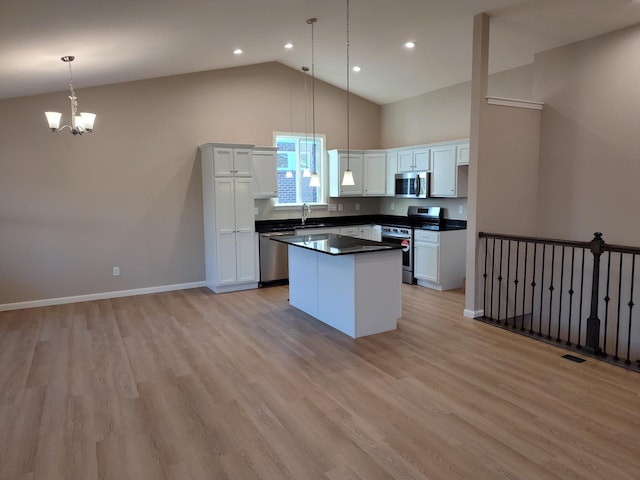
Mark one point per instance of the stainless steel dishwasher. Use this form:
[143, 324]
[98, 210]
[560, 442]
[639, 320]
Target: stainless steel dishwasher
[274, 257]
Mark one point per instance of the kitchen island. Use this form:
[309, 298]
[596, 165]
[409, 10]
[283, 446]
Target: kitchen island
[351, 284]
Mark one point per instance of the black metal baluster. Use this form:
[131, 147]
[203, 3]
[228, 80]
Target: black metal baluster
[615, 355]
[571, 292]
[579, 345]
[560, 304]
[506, 295]
[524, 286]
[551, 288]
[544, 248]
[633, 273]
[515, 283]
[484, 276]
[493, 269]
[500, 283]
[533, 285]
[607, 299]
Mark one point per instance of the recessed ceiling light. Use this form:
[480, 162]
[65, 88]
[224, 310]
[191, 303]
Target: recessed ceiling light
[356, 68]
[237, 51]
[288, 46]
[410, 44]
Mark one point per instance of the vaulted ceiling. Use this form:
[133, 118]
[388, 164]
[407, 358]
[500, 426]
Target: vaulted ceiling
[122, 40]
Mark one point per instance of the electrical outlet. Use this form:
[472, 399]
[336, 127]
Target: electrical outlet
[256, 211]
[460, 208]
[116, 271]
[357, 206]
[332, 207]
[393, 206]
[340, 207]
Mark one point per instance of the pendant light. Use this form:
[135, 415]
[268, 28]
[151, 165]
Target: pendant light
[306, 173]
[315, 178]
[347, 179]
[82, 123]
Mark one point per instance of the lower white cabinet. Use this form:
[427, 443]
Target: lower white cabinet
[350, 231]
[439, 260]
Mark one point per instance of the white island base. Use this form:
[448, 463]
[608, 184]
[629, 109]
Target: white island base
[358, 294]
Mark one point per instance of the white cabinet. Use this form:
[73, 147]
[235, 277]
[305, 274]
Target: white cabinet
[369, 173]
[265, 175]
[462, 156]
[414, 160]
[444, 171]
[439, 258]
[338, 161]
[392, 169]
[448, 179]
[350, 231]
[229, 224]
[375, 173]
[232, 161]
[366, 232]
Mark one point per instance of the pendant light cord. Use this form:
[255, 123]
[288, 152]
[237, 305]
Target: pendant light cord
[348, 109]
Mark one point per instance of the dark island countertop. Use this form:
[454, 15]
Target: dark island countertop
[333, 244]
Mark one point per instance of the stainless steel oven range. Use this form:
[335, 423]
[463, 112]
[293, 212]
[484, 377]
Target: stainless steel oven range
[401, 236]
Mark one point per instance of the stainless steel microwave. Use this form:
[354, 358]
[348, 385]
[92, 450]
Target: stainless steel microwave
[412, 185]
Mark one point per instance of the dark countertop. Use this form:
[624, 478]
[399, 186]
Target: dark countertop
[392, 220]
[333, 244]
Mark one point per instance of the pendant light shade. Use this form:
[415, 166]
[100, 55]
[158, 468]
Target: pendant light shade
[347, 178]
[315, 180]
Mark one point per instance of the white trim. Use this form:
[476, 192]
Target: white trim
[473, 313]
[512, 102]
[99, 296]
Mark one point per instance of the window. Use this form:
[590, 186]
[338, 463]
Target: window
[298, 157]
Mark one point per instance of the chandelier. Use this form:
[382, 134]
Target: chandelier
[81, 123]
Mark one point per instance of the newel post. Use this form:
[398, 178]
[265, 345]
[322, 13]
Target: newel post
[592, 344]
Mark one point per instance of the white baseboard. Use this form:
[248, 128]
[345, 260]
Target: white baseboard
[99, 296]
[473, 313]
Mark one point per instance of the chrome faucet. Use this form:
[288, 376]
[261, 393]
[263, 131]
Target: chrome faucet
[306, 211]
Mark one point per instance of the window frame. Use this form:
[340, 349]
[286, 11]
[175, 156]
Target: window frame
[322, 164]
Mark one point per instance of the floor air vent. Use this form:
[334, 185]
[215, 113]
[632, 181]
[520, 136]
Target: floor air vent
[573, 358]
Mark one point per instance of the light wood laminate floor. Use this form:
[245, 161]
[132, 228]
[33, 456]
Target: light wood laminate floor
[193, 385]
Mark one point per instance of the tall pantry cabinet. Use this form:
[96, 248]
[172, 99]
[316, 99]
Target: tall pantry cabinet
[231, 249]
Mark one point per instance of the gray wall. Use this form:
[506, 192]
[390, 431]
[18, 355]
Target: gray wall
[129, 194]
[590, 138]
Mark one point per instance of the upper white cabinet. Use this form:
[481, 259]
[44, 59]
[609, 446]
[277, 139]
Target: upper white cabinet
[414, 160]
[375, 173]
[338, 162]
[448, 179]
[444, 171]
[392, 169]
[265, 176]
[462, 155]
[232, 161]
